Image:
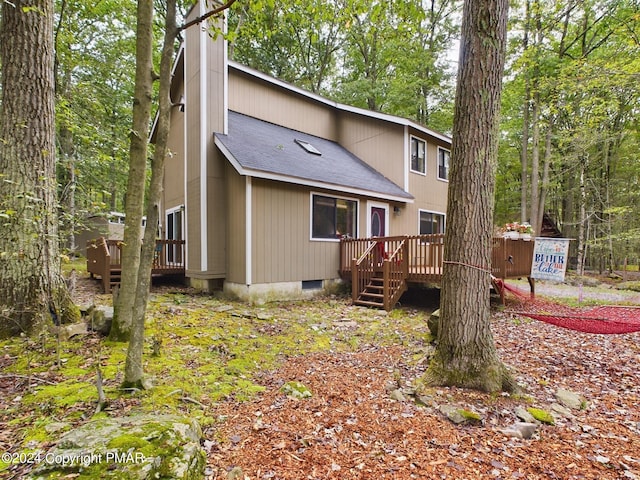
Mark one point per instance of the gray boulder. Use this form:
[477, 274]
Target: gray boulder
[137, 448]
[99, 319]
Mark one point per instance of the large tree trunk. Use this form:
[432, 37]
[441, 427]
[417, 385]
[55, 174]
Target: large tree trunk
[466, 355]
[32, 290]
[134, 205]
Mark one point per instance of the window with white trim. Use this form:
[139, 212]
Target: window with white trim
[443, 163]
[431, 222]
[418, 156]
[332, 218]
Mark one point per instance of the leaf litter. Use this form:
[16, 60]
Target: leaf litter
[363, 417]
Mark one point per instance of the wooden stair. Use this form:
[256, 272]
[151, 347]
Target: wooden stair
[379, 277]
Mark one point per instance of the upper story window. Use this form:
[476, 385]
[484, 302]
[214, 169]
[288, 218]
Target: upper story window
[443, 163]
[418, 156]
[332, 218]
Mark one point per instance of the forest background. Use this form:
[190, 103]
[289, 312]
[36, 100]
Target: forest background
[569, 129]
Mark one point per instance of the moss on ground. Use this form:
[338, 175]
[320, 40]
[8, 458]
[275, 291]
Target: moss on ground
[208, 350]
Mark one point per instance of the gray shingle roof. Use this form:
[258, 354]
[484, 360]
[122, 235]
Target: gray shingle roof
[260, 148]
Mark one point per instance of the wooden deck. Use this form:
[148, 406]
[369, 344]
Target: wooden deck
[381, 268]
[104, 260]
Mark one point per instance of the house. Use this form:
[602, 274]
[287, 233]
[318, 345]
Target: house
[110, 226]
[264, 178]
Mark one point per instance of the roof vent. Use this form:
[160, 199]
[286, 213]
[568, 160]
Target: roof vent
[308, 147]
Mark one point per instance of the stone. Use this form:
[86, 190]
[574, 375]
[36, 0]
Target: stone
[570, 399]
[458, 415]
[99, 319]
[523, 430]
[235, 474]
[71, 330]
[397, 395]
[561, 410]
[56, 427]
[433, 322]
[295, 389]
[127, 448]
[525, 416]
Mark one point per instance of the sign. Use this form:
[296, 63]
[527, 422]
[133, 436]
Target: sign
[550, 258]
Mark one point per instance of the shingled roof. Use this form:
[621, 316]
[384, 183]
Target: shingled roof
[265, 150]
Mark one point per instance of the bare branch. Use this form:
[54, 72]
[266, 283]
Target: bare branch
[207, 15]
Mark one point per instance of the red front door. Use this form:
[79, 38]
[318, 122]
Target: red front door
[378, 227]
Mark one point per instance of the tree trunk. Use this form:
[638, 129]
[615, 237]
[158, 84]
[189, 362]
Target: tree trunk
[134, 205]
[535, 154]
[466, 355]
[133, 368]
[544, 189]
[32, 290]
[526, 109]
[582, 221]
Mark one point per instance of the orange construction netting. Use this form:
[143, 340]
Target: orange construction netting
[604, 319]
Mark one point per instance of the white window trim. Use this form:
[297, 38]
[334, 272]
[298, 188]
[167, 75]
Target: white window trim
[385, 206]
[329, 195]
[422, 210]
[438, 165]
[418, 172]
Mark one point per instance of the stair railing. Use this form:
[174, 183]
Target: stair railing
[362, 270]
[99, 261]
[395, 269]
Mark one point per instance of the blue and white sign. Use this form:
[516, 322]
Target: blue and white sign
[550, 257]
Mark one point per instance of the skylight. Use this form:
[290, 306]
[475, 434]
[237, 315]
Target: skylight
[308, 147]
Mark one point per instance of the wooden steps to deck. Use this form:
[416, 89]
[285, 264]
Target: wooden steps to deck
[373, 293]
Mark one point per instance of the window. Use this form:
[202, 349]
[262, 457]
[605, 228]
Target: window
[431, 223]
[418, 156]
[308, 147]
[443, 163]
[333, 217]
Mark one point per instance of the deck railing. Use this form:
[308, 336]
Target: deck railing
[419, 259]
[104, 259]
[99, 261]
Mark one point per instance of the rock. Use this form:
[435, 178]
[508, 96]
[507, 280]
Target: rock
[137, 448]
[562, 410]
[523, 430]
[56, 427]
[71, 330]
[235, 473]
[570, 399]
[459, 415]
[99, 319]
[397, 395]
[433, 322]
[525, 416]
[296, 390]
[542, 415]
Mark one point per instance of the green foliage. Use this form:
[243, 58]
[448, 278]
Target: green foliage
[349, 51]
[582, 79]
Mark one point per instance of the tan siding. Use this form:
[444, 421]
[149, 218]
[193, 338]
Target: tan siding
[236, 232]
[174, 163]
[379, 143]
[281, 249]
[258, 99]
[193, 226]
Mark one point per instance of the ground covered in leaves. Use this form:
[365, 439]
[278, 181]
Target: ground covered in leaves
[353, 412]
